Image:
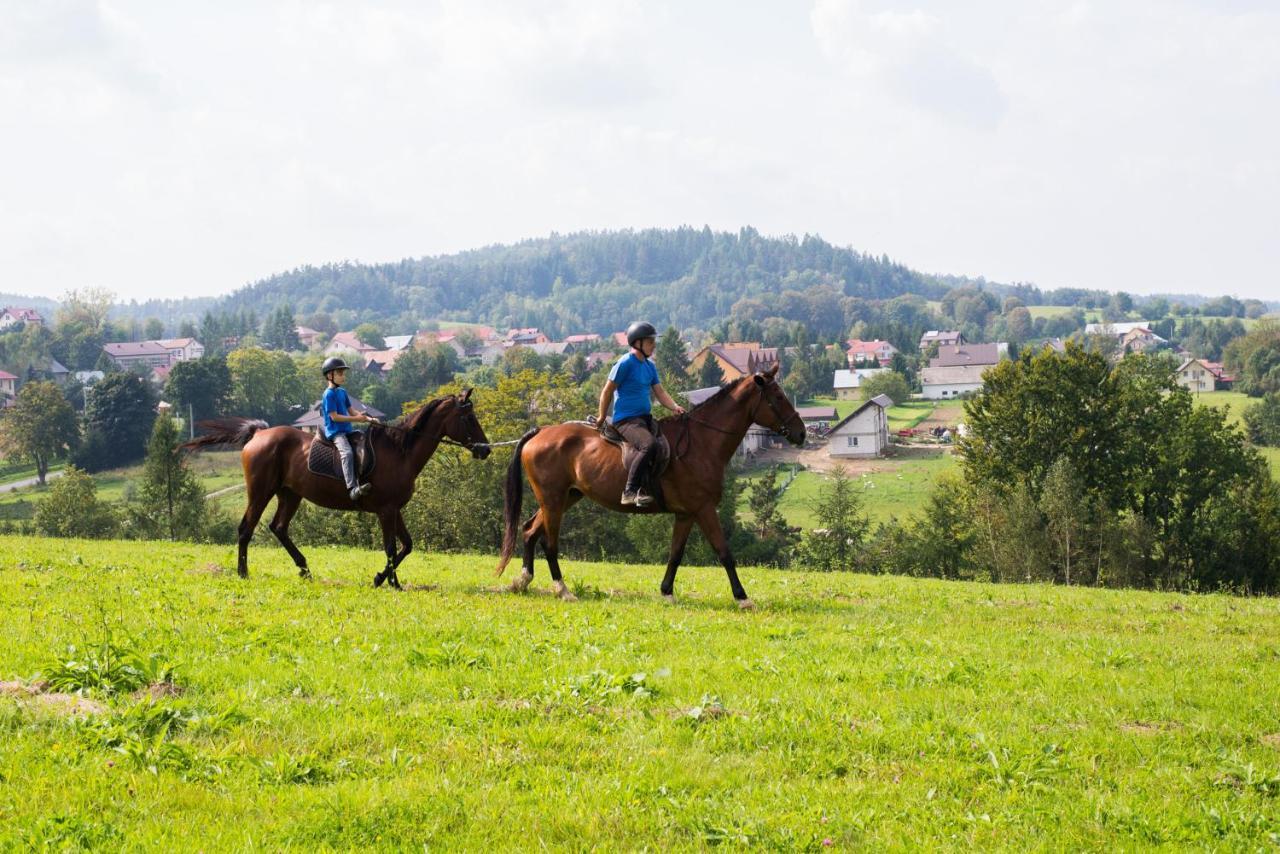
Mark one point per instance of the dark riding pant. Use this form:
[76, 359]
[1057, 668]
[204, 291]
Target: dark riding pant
[639, 431]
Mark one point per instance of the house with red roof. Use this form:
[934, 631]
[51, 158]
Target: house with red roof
[8, 384]
[867, 354]
[12, 317]
[1199, 375]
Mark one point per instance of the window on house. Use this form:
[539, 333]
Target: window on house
[851, 441]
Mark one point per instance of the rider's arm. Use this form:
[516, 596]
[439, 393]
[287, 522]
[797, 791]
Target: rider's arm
[361, 416]
[665, 399]
[606, 400]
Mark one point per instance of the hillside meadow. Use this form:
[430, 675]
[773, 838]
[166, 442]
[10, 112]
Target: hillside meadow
[154, 699]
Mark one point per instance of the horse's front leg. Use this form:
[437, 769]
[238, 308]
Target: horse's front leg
[679, 536]
[388, 574]
[709, 522]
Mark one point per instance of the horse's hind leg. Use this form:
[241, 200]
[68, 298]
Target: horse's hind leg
[252, 513]
[532, 533]
[287, 503]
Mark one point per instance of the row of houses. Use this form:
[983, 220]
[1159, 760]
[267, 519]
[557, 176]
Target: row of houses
[479, 342]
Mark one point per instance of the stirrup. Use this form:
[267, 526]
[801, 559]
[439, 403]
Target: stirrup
[360, 491]
[629, 498]
[643, 499]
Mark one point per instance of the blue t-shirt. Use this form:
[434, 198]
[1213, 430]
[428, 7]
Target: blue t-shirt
[335, 400]
[635, 379]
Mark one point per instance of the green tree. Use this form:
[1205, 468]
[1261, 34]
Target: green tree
[1062, 501]
[153, 329]
[371, 335]
[171, 498]
[41, 426]
[1020, 324]
[266, 384]
[672, 361]
[842, 526]
[119, 412]
[200, 387]
[72, 508]
[710, 373]
[280, 330]
[891, 383]
[1262, 421]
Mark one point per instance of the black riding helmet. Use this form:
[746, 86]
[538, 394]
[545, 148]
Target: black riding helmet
[639, 330]
[333, 363]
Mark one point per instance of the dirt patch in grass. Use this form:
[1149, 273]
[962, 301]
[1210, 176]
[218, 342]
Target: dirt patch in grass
[1149, 727]
[35, 695]
[208, 569]
[157, 691]
[1271, 740]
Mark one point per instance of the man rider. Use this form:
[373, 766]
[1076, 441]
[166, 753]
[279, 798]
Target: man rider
[335, 406]
[632, 383]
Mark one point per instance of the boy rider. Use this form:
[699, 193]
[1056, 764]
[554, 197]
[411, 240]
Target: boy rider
[335, 406]
[634, 380]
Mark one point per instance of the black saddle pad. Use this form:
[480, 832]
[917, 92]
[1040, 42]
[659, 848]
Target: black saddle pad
[323, 458]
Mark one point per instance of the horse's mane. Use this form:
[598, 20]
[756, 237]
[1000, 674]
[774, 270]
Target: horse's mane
[405, 430]
[715, 398]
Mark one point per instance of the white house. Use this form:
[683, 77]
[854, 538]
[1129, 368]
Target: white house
[951, 381]
[864, 432]
[847, 383]
[182, 349]
[1119, 330]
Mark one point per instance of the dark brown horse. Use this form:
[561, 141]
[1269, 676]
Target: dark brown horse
[275, 465]
[564, 462]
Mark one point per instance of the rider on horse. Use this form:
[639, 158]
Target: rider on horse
[632, 382]
[335, 406]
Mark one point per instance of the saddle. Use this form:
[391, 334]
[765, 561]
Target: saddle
[661, 457]
[323, 458]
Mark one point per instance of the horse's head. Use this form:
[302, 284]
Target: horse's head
[462, 426]
[777, 413]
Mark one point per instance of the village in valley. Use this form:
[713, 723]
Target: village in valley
[895, 444]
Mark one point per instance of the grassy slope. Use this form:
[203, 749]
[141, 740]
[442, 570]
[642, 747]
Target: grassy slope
[871, 712]
[217, 470]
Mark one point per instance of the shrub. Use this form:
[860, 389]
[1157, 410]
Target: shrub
[72, 509]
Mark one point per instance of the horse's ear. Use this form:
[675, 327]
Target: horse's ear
[773, 371]
[466, 394]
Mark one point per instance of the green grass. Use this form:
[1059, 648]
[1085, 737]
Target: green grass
[866, 712]
[897, 490]
[217, 470]
[1091, 315]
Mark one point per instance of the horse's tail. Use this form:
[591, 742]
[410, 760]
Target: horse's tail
[235, 432]
[514, 499]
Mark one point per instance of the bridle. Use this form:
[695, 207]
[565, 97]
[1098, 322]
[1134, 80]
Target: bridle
[464, 408]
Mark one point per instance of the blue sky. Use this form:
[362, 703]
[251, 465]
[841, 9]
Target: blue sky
[163, 149]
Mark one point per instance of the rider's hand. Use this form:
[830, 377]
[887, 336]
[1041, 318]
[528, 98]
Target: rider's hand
[678, 409]
[600, 424]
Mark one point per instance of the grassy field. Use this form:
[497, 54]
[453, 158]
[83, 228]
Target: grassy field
[898, 490]
[905, 415]
[217, 470]
[853, 712]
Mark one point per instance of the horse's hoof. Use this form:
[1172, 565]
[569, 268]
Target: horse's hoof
[304, 574]
[378, 579]
[669, 598]
[746, 604]
[564, 593]
[520, 584]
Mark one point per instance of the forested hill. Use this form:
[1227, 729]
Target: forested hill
[589, 281]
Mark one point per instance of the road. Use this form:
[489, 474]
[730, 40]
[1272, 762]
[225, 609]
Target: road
[28, 481]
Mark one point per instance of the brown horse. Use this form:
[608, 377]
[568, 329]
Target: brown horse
[564, 462]
[275, 465]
